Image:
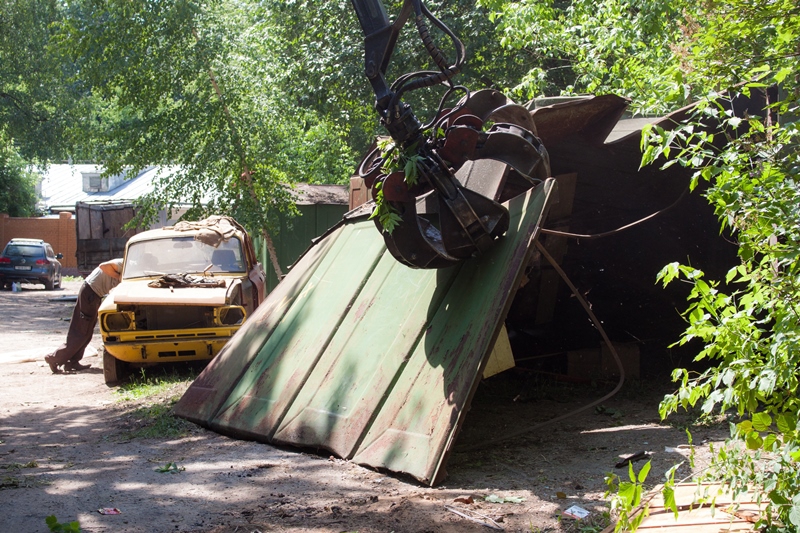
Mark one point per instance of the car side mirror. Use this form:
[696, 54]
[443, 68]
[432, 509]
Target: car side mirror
[59, 256]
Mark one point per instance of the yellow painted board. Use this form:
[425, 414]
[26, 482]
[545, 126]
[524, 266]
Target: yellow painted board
[501, 357]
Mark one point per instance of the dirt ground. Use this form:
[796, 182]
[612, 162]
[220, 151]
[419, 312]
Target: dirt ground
[66, 450]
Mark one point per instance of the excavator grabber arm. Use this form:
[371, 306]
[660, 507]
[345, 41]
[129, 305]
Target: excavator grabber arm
[439, 186]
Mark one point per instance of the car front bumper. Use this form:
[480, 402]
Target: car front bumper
[167, 346]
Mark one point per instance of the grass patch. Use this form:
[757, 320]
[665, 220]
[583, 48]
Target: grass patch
[71, 278]
[19, 481]
[158, 422]
[17, 466]
[152, 395]
[158, 382]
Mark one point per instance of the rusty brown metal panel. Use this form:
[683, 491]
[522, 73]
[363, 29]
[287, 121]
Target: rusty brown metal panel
[365, 357]
[591, 118]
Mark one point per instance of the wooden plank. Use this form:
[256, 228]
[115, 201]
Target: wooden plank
[95, 224]
[701, 509]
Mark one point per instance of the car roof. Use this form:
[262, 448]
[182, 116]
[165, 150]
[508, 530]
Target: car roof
[193, 229]
[26, 241]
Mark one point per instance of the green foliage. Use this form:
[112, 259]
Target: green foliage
[395, 159]
[622, 47]
[245, 98]
[17, 184]
[155, 397]
[627, 498]
[170, 468]
[190, 84]
[157, 421]
[38, 104]
[160, 384]
[67, 527]
[747, 328]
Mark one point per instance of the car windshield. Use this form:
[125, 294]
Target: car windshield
[181, 255]
[24, 250]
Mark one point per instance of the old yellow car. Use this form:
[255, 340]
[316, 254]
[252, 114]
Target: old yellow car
[185, 290]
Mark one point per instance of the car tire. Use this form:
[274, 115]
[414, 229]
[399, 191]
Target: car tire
[48, 284]
[114, 370]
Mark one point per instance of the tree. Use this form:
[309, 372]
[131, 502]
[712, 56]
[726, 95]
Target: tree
[612, 46]
[320, 48]
[38, 104]
[243, 97]
[17, 184]
[191, 86]
[750, 330]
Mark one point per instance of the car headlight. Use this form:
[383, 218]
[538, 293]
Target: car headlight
[121, 321]
[232, 315]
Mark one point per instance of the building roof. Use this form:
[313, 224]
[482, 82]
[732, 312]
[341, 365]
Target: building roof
[63, 185]
[306, 194]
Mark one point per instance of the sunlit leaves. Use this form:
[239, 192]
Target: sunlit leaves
[750, 329]
[611, 46]
[17, 183]
[627, 497]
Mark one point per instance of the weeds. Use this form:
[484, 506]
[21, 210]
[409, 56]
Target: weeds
[67, 527]
[162, 383]
[17, 466]
[170, 468]
[19, 481]
[595, 523]
[157, 421]
[156, 392]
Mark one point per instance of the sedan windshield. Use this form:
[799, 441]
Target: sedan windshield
[182, 255]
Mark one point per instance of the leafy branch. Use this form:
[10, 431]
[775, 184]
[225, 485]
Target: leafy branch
[395, 159]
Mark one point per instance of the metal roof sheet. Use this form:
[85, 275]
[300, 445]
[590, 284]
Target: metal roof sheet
[62, 187]
[357, 354]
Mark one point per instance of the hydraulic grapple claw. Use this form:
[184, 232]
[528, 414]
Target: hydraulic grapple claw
[438, 199]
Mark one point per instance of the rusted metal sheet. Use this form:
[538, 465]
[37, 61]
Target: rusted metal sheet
[590, 118]
[360, 355]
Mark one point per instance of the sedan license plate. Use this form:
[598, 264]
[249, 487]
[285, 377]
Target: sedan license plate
[21, 267]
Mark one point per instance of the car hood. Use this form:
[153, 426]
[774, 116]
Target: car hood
[138, 292]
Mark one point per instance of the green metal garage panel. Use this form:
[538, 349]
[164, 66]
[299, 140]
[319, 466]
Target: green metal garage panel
[360, 355]
[295, 235]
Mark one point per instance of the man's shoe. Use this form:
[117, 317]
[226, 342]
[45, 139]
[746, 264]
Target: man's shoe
[51, 361]
[75, 367]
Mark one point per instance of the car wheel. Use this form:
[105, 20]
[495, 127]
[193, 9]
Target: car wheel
[48, 284]
[114, 370]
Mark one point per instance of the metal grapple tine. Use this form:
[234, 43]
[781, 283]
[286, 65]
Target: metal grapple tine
[470, 223]
[482, 103]
[419, 244]
[513, 145]
[513, 114]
